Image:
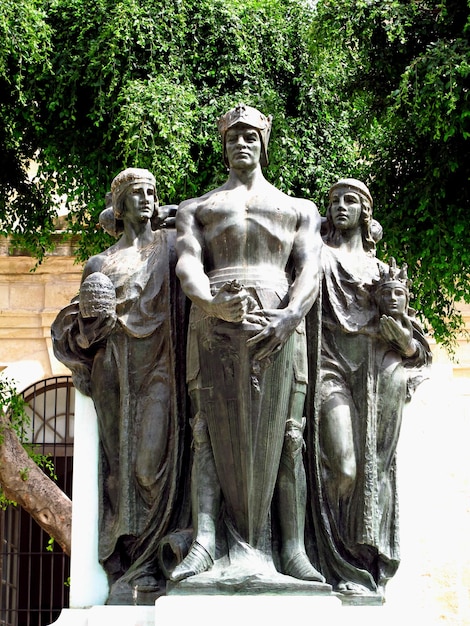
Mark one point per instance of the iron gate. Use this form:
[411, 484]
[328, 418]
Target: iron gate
[34, 573]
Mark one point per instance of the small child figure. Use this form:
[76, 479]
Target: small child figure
[392, 296]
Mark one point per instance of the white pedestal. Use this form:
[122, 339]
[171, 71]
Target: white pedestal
[210, 611]
[246, 611]
[108, 616]
[88, 582]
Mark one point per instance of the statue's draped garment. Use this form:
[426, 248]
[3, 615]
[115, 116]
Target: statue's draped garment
[349, 360]
[245, 404]
[136, 379]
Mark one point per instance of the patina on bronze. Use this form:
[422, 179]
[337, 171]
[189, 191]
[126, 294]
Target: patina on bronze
[123, 339]
[249, 260]
[371, 356]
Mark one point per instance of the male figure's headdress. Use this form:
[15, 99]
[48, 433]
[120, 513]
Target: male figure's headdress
[243, 114]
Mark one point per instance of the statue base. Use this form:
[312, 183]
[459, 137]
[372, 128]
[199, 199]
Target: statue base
[231, 583]
[363, 599]
[104, 615]
[249, 610]
[206, 611]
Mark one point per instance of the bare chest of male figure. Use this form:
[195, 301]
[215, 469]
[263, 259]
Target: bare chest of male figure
[242, 228]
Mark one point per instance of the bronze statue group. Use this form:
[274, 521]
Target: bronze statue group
[249, 363]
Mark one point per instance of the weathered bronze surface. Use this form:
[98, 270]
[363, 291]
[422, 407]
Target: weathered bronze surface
[294, 325]
[249, 260]
[123, 340]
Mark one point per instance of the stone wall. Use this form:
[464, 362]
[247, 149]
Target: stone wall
[30, 298]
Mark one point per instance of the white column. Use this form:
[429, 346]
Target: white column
[88, 582]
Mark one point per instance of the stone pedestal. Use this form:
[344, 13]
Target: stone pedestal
[246, 611]
[209, 611]
[108, 616]
[271, 610]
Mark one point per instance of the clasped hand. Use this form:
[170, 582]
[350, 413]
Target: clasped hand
[233, 303]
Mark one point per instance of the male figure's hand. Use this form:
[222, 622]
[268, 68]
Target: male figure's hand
[231, 303]
[279, 324]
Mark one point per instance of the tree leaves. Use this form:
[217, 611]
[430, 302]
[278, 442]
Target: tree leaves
[376, 89]
[404, 77]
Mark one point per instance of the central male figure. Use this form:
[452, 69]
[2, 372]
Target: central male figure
[249, 259]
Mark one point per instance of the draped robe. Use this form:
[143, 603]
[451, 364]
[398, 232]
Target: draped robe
[135, 377]
[348, 359]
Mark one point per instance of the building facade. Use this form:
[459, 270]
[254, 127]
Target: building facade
[34, 571]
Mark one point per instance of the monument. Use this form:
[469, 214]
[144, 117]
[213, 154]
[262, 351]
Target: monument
[249, 260]
[294, 326]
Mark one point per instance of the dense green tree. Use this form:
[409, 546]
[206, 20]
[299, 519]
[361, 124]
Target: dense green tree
[142, 83]
[399, 72]
[376, 89]
[25, 43]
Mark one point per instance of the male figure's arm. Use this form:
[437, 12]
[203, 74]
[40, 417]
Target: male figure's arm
[225, 305]
[306, 254]
[306, 257]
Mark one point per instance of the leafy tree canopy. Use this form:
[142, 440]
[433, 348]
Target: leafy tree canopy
[366, 88]
[124, 83]
[399, 72]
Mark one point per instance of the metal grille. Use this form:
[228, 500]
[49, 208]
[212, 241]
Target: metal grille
[34, 575]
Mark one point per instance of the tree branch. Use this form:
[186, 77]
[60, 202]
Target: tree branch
[25, 483]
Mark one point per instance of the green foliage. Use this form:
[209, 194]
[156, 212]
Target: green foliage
[44, 461]
[24, 51]
[24, 473]
[400, 71]
[142, 83]
[425, 162]
[13, 405]
[376, 89]
[5, 502]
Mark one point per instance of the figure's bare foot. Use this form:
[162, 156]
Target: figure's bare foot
[299, 566]
[197, 560]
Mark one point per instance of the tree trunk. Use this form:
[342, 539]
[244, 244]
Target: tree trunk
[25, 483]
